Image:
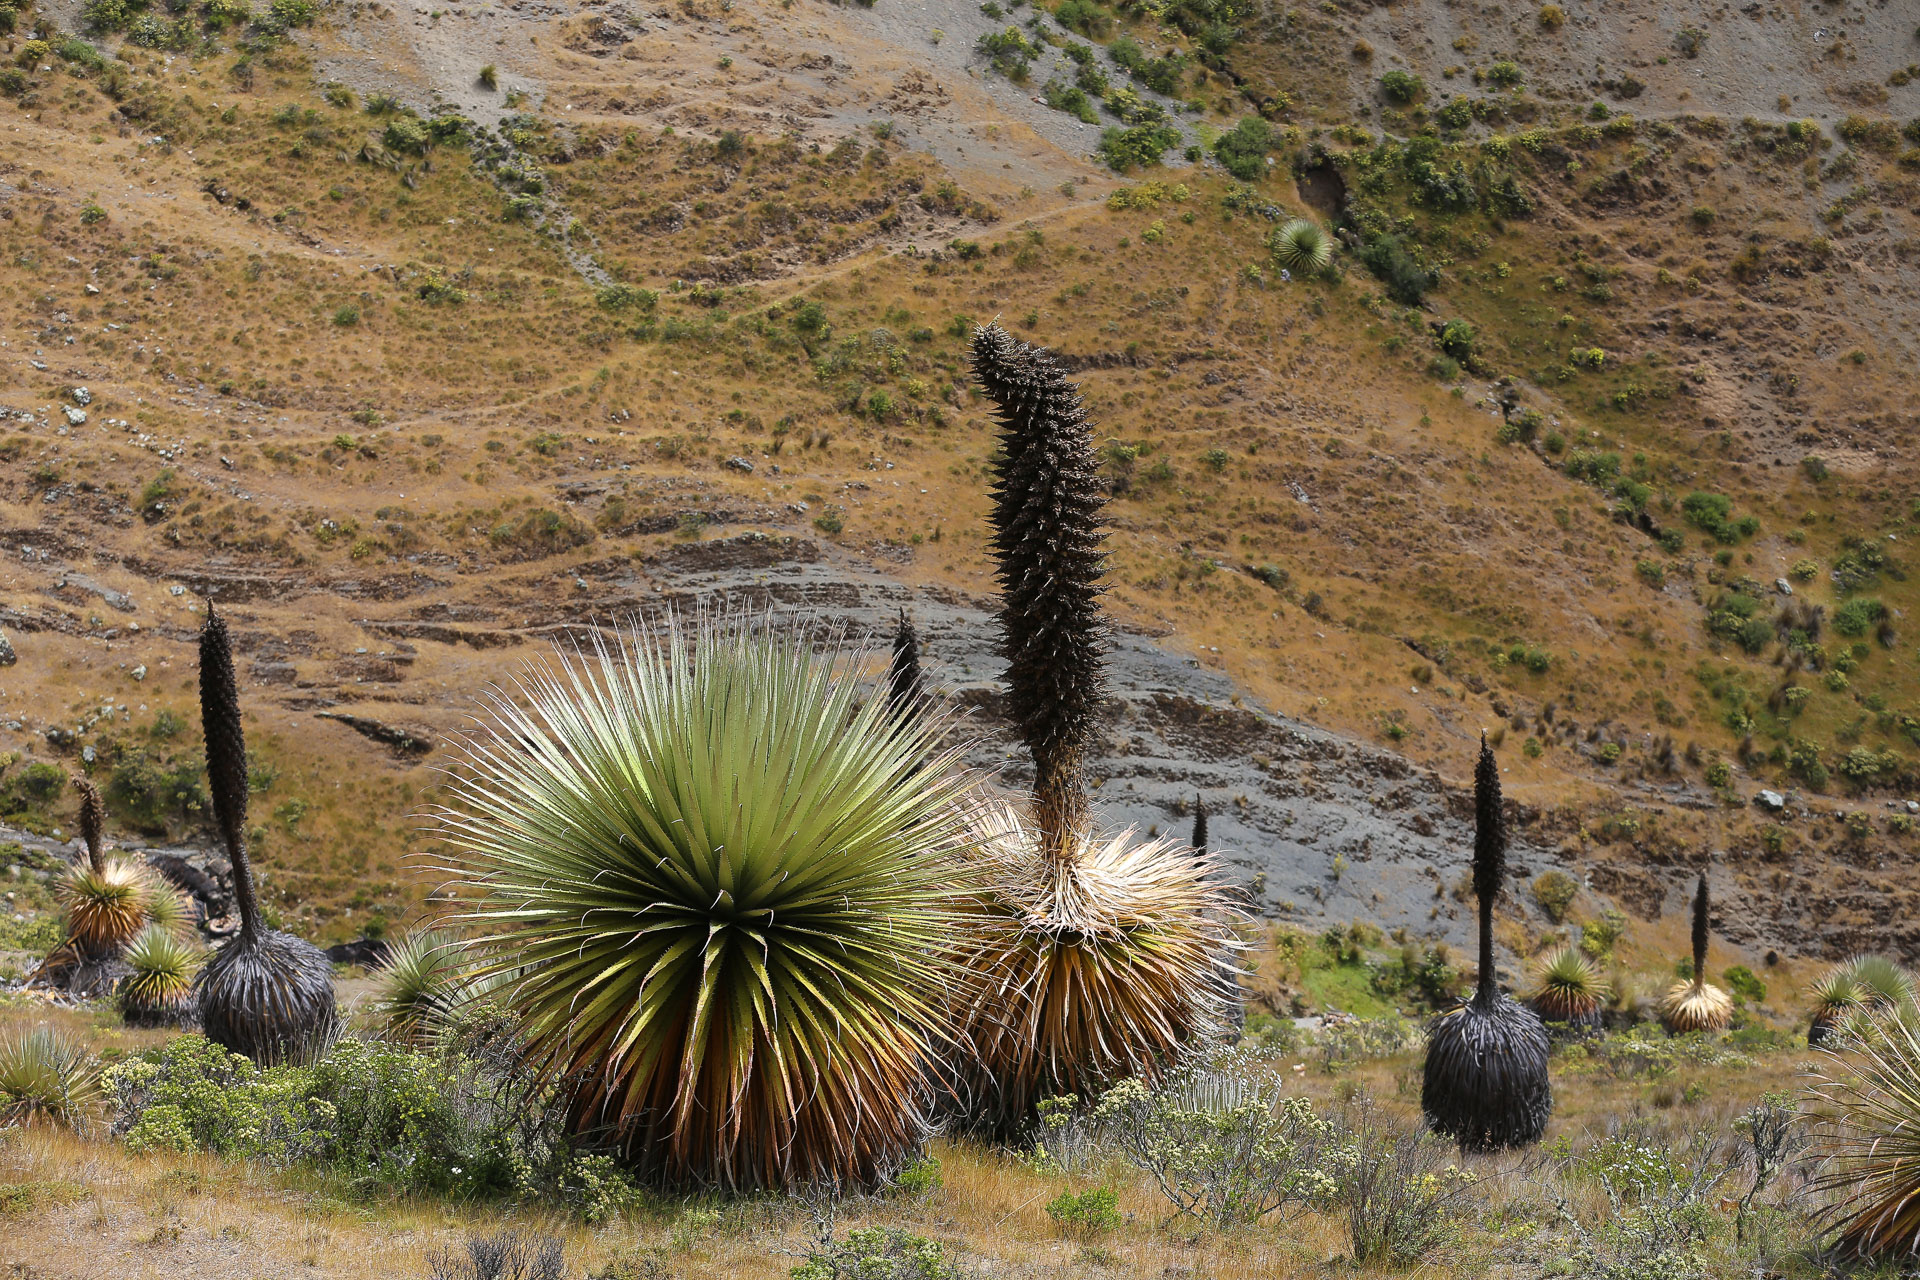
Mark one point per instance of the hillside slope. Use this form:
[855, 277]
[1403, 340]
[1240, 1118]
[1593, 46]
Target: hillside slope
[412, 392]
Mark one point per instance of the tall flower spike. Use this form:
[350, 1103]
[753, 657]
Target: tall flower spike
[1700, 929]
[227, 759]
[1199, 841]
[1047, 537]
[907, 686]
[1489, 858]
[93, 823]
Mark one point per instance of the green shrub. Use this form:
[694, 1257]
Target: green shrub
[1555, 892]
[1242, 150]
[879, 1253]
[1744, 983]
[109, 15]
[1008, 52]
[294, 13]
[34, 787]
[406, 134]
[1126, 149]
[221, 14]
[391, 1116]
[1406, 281]
[1505, 74]
[1402, 87]
[1088, 1214]
[625, 297]
[1713, 513]
[1221, 1164]
[1857, 616]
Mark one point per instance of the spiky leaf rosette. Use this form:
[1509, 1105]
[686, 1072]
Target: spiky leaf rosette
[726, 886]
[168, 908]
[1568, 988]
[1837, 995]
[1199, 841]
[105, 908]
[1083, 971]
[1882, 982]
[46, 1076]
[1872, 1141]
[266, 994]
[159, 990]
[1301, 246]
[418, 985]
[93, 822]
[1695, 1006]
[1485, 1080]
[1047, 538]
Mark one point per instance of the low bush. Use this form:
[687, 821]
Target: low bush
[879, 1253]
[1222, 1164]
[1406, 280]
[1555, 892]
[381, 1115]
[1090, 1213]
[1243, 149]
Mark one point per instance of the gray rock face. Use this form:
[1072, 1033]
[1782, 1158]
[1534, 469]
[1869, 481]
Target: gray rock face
[7, 656]
[1315, 828]
[1771, 801]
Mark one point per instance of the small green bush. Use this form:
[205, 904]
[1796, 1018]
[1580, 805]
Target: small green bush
[1242, 150]
[1744, 983]
[1092, 1212]
[879, 1253]
[1857, 616]
[1402, 88]
[1124, 150]
[1555, 892]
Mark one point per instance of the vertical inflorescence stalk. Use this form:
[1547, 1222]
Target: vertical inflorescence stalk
[1489, 860]
[1199, 841]
[1700, 932]
[93, 823]
[1047, 536]
[227, 760]
[907, 686]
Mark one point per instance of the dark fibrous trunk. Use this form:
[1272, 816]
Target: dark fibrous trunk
[1486, 1082]
[1486, 1076]
[1489, 858]
[1199, 841]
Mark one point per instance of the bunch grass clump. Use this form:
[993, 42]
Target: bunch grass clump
[159, 990]
[47, 1077]
[265, 994]
[721, 889]
[1485, 1081]
[1696, 1004]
